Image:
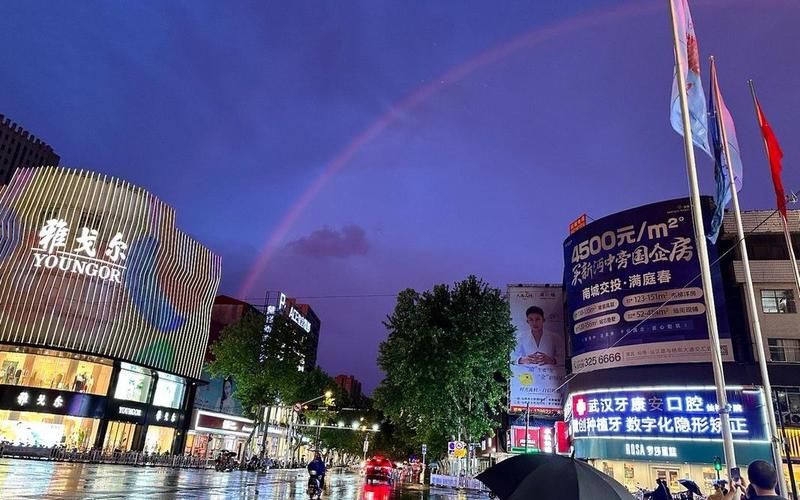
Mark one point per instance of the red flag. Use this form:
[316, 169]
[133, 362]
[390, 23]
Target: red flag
[775, 156]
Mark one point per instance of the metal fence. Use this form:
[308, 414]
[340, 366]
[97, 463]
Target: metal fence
[101, 457]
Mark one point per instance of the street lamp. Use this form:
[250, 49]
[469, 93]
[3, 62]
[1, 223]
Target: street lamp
[340, 423]
[375, 427]
[355, 425]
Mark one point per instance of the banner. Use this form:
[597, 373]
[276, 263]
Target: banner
[537, 361]
[634, 295]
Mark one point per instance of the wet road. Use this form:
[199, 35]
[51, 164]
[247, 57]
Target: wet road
[39, 479]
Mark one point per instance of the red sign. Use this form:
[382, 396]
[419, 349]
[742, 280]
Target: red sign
[577, 223]
[562, 437]
[518, 437]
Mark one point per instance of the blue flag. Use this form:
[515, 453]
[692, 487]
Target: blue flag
[722, 196]
[689, 56]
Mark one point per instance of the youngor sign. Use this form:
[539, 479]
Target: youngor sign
[633, 290]
[537, 361]
[94, 264]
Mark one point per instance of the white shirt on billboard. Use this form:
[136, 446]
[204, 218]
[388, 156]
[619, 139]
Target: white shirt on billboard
[550, 344]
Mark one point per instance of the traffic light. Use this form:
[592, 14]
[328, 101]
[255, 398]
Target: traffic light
[717, 464]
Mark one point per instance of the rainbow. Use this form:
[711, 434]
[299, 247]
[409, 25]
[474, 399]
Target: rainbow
[490, 56]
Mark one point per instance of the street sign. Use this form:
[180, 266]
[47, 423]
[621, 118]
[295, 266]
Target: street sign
[424, 449]
[457, 449]
[366, 445]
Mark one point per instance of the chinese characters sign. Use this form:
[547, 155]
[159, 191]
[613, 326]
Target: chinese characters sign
[537, 361]
[42, 400]
[633, 290]
[83, 256]
[687, 413]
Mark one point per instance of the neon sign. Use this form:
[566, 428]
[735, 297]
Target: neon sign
[665, 413]
[82, 258]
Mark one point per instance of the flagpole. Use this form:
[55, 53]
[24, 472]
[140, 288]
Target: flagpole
[796, 275]
[751, 294]
[702, 253]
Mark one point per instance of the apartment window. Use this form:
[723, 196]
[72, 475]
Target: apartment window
[784, 350]
[777, 301]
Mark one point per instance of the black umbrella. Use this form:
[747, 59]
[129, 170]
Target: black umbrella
[691, 486]
[551, 477]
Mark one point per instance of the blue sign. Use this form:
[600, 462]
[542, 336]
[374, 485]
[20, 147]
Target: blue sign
[634, 294]
[663, 414]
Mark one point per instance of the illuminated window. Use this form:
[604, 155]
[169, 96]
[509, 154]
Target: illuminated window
[133, 383]
[51, 369]
[169, 391]
[777, 301]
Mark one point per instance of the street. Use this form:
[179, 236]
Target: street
[41, 479]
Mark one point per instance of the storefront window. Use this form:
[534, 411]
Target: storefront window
[159, 439]
[133, 383]
[42, 429]
[49, 369]
[119, 436]
[169, 391]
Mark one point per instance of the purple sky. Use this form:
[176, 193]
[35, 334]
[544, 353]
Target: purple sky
[489, 127]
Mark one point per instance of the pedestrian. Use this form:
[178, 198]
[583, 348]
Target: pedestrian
[763, 478]
[661, 492]
[718, 494]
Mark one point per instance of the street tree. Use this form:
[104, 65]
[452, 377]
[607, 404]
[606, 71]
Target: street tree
[445, 358]
[263, 366]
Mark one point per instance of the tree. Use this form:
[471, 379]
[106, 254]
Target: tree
[445, 355]
[263, 366]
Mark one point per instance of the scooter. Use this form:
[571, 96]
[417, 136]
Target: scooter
[314, 485]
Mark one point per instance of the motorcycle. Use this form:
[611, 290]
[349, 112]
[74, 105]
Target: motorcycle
[314, 485]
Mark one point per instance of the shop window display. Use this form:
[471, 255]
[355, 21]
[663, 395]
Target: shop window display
[133, 383]
[42, 429]
[169, 391]
[159, 439]
[54, 370]
[119, 437]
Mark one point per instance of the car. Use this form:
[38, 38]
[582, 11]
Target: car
[378, 469]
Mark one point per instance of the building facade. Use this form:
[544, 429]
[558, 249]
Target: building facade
[350, 385]
[641, 403]
[218, 422]
[19, 148]
[104, 314]
[776, 297]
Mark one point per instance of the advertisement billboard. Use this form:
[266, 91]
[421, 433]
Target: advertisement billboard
[537, 361]
[94, 264]
[666, 424]
[218, 395]
[633, 290]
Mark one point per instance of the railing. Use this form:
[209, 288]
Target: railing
[102, 457]
[462, 482]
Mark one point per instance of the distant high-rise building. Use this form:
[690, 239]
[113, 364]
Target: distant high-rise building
[310, 340]
[19, 148]
[350, 385]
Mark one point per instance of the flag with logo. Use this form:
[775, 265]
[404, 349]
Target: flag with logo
[721, 116]
[689, 56]
[775, 156]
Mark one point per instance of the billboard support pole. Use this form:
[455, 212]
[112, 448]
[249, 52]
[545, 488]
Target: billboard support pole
[751, 294]
[702, 251]
[527, 419]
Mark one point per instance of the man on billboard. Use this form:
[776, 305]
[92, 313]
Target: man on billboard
[537, 347]
[537, 361]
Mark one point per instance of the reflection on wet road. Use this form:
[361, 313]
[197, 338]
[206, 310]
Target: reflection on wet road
[40, 479]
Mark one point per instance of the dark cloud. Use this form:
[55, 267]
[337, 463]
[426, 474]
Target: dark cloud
[327, 242]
